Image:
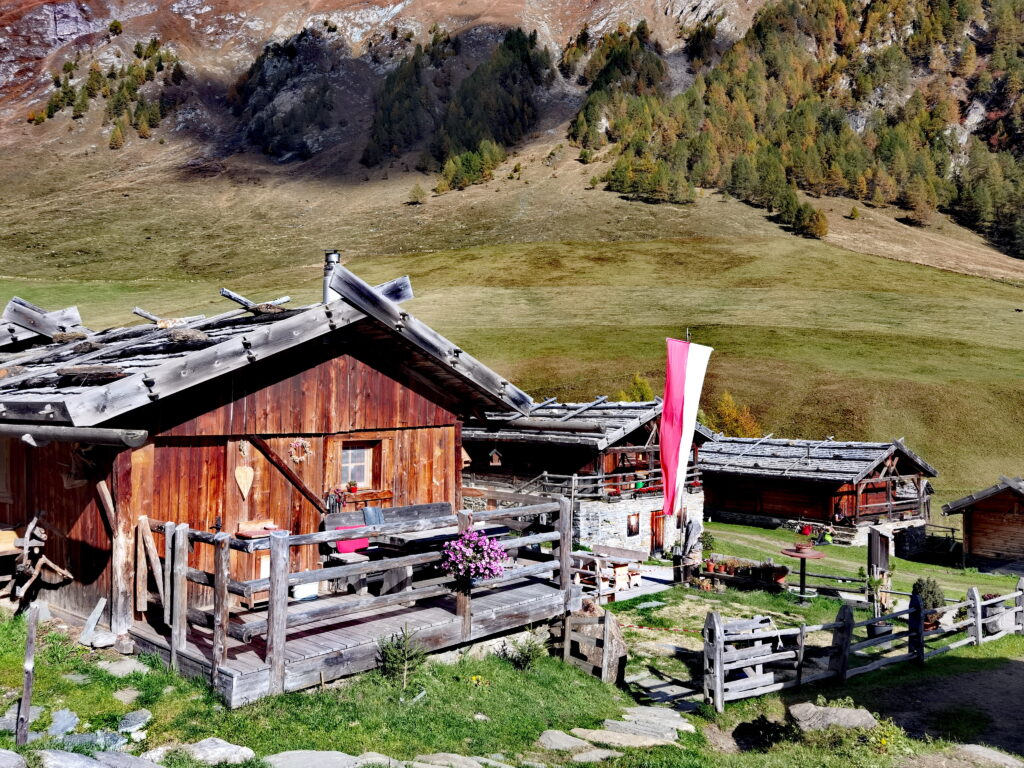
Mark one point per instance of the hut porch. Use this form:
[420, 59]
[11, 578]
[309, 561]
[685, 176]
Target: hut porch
[253, 638]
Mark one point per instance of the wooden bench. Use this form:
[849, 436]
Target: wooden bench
[624, 562]
[396, 579]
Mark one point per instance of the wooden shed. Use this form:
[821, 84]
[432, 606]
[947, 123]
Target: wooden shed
[993, 522]
[845, 483]
[261, 417]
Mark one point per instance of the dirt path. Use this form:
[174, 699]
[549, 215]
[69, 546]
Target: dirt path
[988, 702]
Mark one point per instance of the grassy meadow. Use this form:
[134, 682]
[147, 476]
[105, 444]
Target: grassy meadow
[566, 290]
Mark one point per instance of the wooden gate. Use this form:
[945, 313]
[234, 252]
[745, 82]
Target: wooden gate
[573, 644]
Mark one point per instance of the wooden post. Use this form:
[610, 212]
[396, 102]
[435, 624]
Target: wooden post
[841, 636]
[464, 600]
[120, 562]
[801, 641]
[606, 645]
[146, 535]
[141, 573]
[25, 705]
[566, 637]
[168, 570]
[179, 593]
[915, 620]
[974, 611]
[714, 674]
[565, 547]
[1019, 603]
[221, 576]
[277, 608]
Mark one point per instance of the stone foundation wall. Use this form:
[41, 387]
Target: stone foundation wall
[606, 522]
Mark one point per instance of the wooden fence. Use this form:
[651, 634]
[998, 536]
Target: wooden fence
[575, 644]
[752, 657]
[172, 575]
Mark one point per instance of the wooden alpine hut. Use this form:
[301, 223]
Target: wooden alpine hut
[849, 484]
[260, 495]
[993, 523]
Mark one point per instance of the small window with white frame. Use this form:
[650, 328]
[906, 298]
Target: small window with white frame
[357, 464]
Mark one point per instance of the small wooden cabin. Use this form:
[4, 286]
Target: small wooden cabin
[608, 446]
[845, 483]
[993, 522]
[261, 416]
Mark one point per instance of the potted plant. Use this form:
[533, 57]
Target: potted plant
[352, 486]
[804, 544]
[471, 558]
[932, 599]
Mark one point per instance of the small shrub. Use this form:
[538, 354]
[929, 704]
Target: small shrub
[115, 28]
[417, 195]
[707, 541]
[586, 156]
[931, 593]
[400, 655]
[523, 654]
[854, 213]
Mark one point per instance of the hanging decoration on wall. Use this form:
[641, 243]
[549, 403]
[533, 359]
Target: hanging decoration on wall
[495, 458]
[300, 450]
[243, 448]
[244, 477]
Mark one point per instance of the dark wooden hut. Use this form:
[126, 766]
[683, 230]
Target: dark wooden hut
[217, 427]
[845, 483]
[993, 522]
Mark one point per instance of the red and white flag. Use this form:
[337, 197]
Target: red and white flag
[686, 365]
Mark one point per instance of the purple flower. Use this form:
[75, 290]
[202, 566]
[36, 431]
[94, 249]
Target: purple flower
[472, 557]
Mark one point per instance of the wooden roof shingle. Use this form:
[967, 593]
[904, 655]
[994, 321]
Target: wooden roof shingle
[99, 376]
[821, 460]
[961, 505]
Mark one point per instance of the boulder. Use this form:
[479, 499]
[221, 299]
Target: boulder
[307, 758]
[376, 758]
[103, 639]
[55, 758]
[616, 739]
[214, 751]
[10, 759]
[126, 696]
[560, 741]
[9, 722]
[811, 717]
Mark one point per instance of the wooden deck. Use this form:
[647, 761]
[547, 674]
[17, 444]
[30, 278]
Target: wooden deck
[327, 650]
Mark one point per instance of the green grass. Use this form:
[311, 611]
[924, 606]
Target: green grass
[762, 543]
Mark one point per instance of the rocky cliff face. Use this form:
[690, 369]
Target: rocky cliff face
[221, 38]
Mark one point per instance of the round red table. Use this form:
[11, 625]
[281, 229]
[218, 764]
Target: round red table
[803, 555]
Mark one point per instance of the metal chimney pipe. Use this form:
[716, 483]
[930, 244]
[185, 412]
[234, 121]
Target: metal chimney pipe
[331, 260]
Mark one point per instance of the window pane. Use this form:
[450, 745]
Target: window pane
[355, 465]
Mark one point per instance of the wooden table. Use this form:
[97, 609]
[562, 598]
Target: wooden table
[803, 555]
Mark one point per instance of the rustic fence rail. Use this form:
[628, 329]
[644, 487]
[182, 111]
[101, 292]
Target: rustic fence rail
[750, 657]
[172, 575]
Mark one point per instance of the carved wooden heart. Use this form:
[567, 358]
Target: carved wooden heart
[244, 477]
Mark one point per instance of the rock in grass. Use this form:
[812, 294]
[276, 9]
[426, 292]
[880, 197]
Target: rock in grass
[123, 667]
[63, 721]
[491, 762]
[134, 721]
[308, 758]
[988, 755]
[811, 717]
[126, 696]
[122, 760]
[76, 677]
[560, 741]
[448, 760]
[10, 759]
[214, 751]
[376, 758]
[104, 740]
[595, 755]
[55, 758]
[647, 728]
[616, 739]
[9, 722]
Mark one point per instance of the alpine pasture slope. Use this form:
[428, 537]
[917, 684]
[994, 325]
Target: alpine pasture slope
[565, 289]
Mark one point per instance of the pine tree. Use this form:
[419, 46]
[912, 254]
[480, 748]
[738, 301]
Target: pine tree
[143, 129]
[116, 137]
[81, 105]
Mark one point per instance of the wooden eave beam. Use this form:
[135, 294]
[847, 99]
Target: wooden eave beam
[289, 474]
[585, 407]
[372, 303]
